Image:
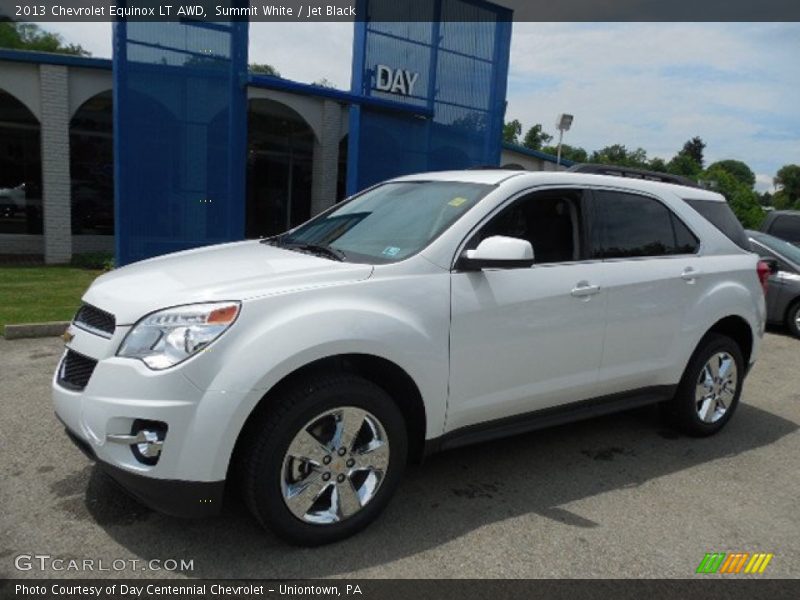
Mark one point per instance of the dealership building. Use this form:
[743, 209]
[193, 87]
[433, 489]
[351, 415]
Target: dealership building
[172, 144]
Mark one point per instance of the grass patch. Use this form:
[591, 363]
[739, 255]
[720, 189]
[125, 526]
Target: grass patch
[37, 294]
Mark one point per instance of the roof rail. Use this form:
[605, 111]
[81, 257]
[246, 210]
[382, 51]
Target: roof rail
[507, 167]
[633, 173]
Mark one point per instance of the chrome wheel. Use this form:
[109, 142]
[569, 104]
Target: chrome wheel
[334, 465]
[716, 387]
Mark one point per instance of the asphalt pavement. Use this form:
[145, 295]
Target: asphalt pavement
[619, 496]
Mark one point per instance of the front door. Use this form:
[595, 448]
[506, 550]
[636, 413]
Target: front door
[525, 339]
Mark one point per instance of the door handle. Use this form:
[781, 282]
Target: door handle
[584, 289]
[690, 274]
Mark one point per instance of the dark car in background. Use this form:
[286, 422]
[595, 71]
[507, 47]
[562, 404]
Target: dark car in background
[783, 295]
[783, 224]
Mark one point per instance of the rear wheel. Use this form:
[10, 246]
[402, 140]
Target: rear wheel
[793, 319]
[709, 391]
[324, 459]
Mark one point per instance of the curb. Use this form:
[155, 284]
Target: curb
[35, 330]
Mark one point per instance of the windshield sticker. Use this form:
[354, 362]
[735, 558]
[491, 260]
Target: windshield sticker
[391, 251]
[457, 201]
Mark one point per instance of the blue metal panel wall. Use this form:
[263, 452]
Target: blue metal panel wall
[460, 52]
[180, 135]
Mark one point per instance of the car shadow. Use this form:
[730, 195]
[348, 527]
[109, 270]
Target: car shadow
[781, 330]
[450, 495]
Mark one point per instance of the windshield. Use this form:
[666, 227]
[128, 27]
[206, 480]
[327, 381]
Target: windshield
[785, 249]
[390, 222]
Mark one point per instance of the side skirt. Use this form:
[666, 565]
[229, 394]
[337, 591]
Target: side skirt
[550, 417]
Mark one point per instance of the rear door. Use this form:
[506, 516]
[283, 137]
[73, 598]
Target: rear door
[652, 274]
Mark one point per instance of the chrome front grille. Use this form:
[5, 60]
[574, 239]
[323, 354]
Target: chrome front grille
[75, 370]
[95, 320]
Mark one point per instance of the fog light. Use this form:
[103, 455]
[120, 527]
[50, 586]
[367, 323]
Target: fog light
[145, 439]
[151, 435]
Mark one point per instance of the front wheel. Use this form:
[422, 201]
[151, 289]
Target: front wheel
[324, 459]
[709, 391]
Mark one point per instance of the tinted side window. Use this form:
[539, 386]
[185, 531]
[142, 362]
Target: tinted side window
[721, 216]
[549, 220]
[628, 225]
[786, 227]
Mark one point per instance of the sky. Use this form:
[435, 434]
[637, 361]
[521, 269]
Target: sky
[649, 85]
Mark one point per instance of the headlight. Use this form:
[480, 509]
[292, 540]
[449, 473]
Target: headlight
[165, 338]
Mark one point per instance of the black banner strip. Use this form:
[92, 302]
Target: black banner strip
[349, 10]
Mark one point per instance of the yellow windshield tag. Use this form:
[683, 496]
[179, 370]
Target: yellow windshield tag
[457, 201]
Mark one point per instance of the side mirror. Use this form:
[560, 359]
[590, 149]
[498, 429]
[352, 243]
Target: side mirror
[497, 252]
[771, 263]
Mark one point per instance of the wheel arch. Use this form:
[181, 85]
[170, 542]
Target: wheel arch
[384, 373]
[738, 329]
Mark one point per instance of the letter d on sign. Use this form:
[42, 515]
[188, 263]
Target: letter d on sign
[383, 78]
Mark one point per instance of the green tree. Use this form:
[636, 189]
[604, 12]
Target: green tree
[685, 165]
[738, 169]
[265, 69]
[325, 82]
[742, 199]
[573, 153]
[787, 180]
[511, 131]
[618, 154]
[535, 138]
[28, 36]
[694, 149]
[657, 164]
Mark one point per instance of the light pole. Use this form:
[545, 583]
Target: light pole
[563, 123]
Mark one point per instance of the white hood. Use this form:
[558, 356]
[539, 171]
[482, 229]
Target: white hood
[236, 271]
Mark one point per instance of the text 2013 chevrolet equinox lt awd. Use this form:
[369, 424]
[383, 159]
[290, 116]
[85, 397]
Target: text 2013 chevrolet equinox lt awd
[422, 314]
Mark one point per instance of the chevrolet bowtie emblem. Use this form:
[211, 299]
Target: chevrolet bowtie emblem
[67, 336]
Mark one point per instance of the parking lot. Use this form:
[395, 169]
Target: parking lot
[619, 496]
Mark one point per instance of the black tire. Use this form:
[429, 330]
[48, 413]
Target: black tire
[272, 430]
[792, 316]
[682, 410]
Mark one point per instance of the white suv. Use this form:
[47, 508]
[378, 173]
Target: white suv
[425, 313]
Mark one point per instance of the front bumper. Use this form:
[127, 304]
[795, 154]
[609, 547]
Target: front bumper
[202, 424]
[190, 499]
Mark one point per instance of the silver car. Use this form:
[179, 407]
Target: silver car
[783, 295]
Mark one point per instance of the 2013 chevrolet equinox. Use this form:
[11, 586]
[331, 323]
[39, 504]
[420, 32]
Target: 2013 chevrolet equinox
[425, 313]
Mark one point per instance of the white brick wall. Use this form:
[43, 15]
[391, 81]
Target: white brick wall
[326, 159]
[54, 84]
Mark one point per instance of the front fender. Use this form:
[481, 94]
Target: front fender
[404, 322]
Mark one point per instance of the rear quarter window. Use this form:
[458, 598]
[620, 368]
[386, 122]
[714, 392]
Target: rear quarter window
[721, 216]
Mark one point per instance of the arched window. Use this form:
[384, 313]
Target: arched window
[280, 152]
[91, 155]
[20, 168]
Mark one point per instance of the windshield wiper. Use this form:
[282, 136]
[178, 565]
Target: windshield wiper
[328, 251]
[274, 240]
